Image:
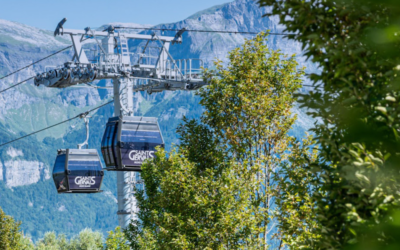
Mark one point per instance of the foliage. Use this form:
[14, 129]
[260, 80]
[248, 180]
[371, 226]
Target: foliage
[85, 240]
[214, 190]
[391, 227]
[116, 240]
[186, 209]
[356, 101]
[249, 107]
[11, 238]
[50, 241]
[295, 211]
[26, 244]
[10, 235]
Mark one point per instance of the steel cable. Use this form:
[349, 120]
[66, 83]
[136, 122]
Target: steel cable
[15, 85]
[204, 31]
[54, 125]
[27, 66]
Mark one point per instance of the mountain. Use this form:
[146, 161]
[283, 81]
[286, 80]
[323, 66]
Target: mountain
[26, 190]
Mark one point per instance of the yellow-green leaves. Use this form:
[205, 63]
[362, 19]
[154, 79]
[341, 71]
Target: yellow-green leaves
[216, 189]
[296, 210]
[116, 240]
[10, 235]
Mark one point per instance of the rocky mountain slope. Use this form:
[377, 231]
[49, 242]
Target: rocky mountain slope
[26, 192]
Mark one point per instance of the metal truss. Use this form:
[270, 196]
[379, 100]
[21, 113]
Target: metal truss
[113, 60]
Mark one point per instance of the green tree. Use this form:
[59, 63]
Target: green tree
[51, 241]
[249, 107]
[356, 101]
[26, 244]
[215, 190]
[296, 210]
[116, 240]
[87, 240]
[186, 209]
[10, 236]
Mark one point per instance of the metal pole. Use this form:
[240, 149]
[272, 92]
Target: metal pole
[123, 95]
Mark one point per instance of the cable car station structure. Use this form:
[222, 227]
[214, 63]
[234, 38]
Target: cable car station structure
[128, 140]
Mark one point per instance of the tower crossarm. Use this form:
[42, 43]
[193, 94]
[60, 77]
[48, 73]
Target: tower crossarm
[113, 59]
[127, 35]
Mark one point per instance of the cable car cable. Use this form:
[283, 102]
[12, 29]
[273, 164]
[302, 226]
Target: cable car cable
[205, 31]
[312, 86]
[36, 62]
[78, 116]
[15, 85]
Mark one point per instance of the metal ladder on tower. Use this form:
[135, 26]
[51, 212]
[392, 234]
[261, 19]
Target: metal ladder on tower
[124, 52]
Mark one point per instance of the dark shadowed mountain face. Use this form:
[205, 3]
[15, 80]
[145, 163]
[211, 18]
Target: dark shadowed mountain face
[26, 191]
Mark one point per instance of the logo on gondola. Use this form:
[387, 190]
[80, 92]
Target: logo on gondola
[140, 155]
[85, 181]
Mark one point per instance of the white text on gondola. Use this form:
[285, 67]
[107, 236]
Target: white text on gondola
[140, 155]
[85, 181]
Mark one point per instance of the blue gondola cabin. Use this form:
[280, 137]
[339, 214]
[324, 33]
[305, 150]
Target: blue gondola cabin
[78, 171]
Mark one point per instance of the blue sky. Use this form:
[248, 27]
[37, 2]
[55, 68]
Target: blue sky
[46, 14]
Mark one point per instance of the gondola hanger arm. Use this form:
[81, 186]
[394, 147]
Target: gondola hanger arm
[85, 117]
